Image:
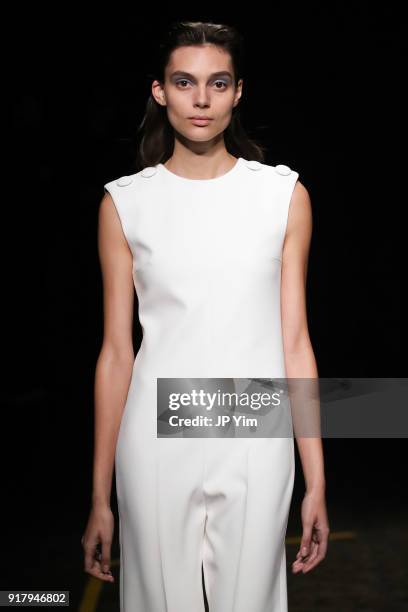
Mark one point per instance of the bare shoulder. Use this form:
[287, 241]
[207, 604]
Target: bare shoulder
[108, 215]
[106, 205]
[300, 197]
[110, 225]
[299, 225]
[300, 210]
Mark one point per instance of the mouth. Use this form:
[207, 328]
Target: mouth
[200, 120]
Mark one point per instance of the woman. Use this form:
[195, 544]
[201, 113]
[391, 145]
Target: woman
[215, 242]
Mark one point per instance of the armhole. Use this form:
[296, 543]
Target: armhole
[288, 200]
[107, 189]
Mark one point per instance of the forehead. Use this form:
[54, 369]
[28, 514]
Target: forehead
[199, 60]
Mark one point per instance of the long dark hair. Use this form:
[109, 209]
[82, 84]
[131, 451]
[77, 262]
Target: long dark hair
[155, 133]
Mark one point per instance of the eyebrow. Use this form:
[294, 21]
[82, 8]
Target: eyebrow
[219, 73]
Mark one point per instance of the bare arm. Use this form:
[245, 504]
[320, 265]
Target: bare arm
[112, 379]
[300, 362]
[115, 361]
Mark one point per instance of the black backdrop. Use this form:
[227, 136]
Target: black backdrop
[323, 90]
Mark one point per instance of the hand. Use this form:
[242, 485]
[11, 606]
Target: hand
[97, 541]
[313, 545]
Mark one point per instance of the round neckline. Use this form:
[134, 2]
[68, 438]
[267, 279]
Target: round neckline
[211, 180]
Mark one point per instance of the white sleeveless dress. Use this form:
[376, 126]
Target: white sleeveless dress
[207, 257]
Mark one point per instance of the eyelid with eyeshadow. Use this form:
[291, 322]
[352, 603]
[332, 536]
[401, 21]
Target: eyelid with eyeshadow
[216, 81]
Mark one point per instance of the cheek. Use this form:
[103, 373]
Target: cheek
[223, 107]
[178, 104]
[224, 114]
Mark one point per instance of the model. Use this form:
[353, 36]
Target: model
[215, 242]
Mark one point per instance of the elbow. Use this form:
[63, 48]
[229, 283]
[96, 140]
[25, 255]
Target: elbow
[298, 344]
[111, 353]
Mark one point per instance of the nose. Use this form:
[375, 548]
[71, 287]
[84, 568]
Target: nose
[201, 98]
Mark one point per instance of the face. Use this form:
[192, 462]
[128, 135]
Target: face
[198, 82]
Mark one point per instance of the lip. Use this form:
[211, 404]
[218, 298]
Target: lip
[200, 120]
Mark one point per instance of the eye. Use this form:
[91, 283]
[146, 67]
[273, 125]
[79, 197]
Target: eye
[187, 81]
[182, 81]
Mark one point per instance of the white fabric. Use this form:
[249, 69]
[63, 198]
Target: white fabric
[207, 260]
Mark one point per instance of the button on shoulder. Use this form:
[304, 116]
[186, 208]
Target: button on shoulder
[124, 181]
[149, 171]
[253, 164]
[282, 169]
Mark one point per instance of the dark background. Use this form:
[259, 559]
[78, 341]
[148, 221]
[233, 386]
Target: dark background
[323, 90]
